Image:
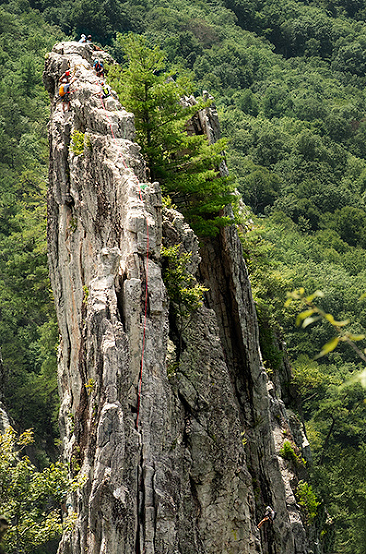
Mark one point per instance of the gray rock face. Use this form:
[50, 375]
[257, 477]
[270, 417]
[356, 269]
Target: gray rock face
[4, 419]
[171, 425]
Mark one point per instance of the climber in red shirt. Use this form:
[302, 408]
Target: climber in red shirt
[65, 78]
[64, 89]
[98, 68]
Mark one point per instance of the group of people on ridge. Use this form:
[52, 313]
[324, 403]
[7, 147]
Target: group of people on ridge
[66, 80]
[85, 38]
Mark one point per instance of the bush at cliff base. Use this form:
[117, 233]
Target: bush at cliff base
[30, 499]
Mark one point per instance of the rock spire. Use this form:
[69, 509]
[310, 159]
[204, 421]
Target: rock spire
[197, 470]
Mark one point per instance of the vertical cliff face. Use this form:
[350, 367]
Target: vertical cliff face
[172, 426]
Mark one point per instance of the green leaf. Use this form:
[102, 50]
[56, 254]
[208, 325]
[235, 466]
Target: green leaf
[303, 315]
[328, 347]
[316, 294]
[332, 321]
[355, 337]
[310, 320]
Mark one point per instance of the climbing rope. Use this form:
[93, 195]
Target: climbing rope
[139, 385]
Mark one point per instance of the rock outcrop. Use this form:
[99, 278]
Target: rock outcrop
[173, 428]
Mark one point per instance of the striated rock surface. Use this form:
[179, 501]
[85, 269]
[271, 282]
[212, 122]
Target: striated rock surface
[172, 426]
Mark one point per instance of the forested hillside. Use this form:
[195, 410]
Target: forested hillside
[28, 330]
[289, 81]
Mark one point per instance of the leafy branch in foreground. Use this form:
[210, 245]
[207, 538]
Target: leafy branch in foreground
[313, 313]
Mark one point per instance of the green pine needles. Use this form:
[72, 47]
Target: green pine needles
[186, 166]
[308, 501]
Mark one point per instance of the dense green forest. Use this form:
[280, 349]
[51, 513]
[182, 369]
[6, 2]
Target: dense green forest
[28, 330]
[288, 79]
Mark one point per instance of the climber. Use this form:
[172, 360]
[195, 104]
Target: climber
[65, 78]
[64, 90]
[89, 39]
[98, 67]
[106, 90]
[82, 39]
[269, 515]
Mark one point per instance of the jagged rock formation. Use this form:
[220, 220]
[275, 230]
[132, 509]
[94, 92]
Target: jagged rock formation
[193, 472]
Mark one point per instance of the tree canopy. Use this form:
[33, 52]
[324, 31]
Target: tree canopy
[184, 163]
